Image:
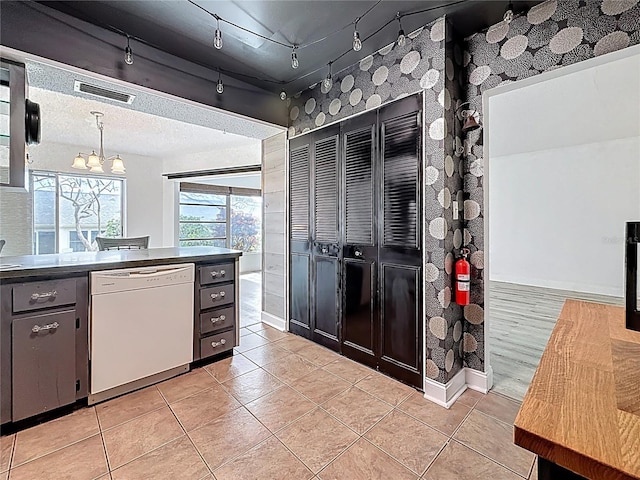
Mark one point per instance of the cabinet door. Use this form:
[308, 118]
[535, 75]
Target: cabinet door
[326, 252]
[360, 314]
[43, 363]
[300, 242]
[400, 254]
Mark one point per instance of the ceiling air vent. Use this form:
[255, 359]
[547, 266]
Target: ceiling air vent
[101, 92]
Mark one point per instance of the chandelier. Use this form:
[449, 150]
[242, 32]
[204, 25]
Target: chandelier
[95, 161]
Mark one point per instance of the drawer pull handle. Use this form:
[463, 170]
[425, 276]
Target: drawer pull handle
[221, 318]
[216, 295]
[217, 344]
[214, 274]
[40, 296]
[45, 328]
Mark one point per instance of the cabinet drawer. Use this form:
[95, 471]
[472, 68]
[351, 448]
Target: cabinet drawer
[216, 296]
[215, 320]
[216, 273]
[37, 295]
[43, 363]
[214, 344]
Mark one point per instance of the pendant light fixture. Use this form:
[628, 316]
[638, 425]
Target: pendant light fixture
[294, 58]
[217, 37]
[128, 54]
[402, 39]
[357, 43]
[95, 161]
[327, 83]
[220, 86]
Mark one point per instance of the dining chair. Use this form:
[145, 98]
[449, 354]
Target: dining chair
[132, 243]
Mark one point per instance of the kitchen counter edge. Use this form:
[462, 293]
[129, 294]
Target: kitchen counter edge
[69, 263]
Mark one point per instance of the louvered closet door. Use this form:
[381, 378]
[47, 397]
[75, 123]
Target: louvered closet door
[326, 247]
[359, 311]
[400, 254]
[300, 236]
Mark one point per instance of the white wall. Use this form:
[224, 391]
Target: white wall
[143, 186]
[246, 154]
[564, 178]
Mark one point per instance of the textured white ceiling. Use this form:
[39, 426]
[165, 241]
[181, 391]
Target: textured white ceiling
[160, 122]
[67, 120]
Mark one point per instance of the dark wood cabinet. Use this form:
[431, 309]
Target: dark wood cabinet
[355, 243]
[315, 237]
[44, 345]
[216, 328]
[43, 363]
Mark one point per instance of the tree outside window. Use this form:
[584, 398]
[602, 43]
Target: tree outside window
[84, 208]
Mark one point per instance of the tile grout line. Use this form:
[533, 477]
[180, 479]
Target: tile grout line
[104, 445]
[447, 443]
[489, 458]
[186, 434]
[11, 467]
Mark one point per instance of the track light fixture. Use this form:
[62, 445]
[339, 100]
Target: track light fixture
[217, 37]
[294, 58]
[128, 54]
[357, 43]
[220, 86]
[508, 13]
[327, 83]
[402, 39]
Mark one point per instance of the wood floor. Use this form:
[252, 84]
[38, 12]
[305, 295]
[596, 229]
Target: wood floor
[522, 318]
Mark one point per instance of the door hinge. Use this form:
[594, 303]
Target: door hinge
[78, 322]
[77, 385]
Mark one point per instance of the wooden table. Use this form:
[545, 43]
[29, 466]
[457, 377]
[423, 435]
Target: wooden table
[582, 411]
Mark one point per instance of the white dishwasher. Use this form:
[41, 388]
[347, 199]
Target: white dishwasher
[141, 327]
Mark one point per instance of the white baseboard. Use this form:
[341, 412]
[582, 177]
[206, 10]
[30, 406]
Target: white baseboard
[479, 381]
[273, 321]
[445, 395]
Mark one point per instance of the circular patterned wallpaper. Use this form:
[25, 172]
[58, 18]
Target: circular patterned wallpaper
[550, 35]
[391, 73]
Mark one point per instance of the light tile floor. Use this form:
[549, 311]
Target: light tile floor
[283, 409]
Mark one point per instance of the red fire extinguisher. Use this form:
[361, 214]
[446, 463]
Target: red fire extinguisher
[463, 278]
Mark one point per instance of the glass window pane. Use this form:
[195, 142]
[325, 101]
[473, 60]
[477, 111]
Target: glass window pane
[208, 243]
[5, 98]
[88, 206]
[246, 223]
[203, 213]
[202, 230]
[46, 242]
[203, 198]
[44, 213]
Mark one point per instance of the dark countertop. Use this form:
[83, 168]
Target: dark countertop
[78, 262]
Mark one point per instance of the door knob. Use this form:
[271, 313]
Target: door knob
[357, 253]
[324, 250]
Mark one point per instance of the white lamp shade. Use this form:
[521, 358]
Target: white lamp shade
[93, 161]
[79, 163]
[97, 169]
[118, 165]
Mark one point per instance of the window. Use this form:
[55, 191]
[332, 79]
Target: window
[246, 223]
[220, 216]
[69, 211]
[203, 219]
